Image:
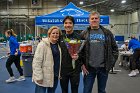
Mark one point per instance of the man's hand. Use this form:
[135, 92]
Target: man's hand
[85, 71]
[39, 81]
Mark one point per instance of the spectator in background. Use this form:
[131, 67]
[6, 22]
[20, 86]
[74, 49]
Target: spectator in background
[14, 56]
[99, 54]
[134, 44]
[124, 47]
[38, 38]
[47, 62]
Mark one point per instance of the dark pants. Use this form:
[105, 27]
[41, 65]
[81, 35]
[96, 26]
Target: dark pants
[74, 80]
[16, 60]
[135, 59]
[40, 89]
[89, 79]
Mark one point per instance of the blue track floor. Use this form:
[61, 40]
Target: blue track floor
[20, 87]
[117, 83]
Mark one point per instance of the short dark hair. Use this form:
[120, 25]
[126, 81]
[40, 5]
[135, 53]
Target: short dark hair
[70, 18]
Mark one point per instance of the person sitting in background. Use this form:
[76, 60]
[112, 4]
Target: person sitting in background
[134, 44]
[47, 62]
[124, 47]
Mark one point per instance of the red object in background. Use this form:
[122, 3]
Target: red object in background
[25, 48]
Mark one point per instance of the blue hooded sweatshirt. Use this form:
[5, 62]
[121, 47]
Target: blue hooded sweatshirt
[13, 45]
[134, 44]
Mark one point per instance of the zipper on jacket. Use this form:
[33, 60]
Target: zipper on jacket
[59, 76]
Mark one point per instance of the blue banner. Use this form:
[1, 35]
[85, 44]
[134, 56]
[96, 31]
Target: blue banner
[104, 20]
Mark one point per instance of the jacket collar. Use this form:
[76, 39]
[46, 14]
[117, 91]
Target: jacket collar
[46, 41]
[104, 29]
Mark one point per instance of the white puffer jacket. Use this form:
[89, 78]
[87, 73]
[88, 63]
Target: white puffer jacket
[43, 64]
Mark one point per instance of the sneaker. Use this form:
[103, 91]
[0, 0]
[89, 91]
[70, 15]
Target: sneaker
[137, 71]
[21, 78]
[132, 73]
[120, 64]
[10, 80]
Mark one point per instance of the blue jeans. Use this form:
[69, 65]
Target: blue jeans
[102, 77]
[40, 89]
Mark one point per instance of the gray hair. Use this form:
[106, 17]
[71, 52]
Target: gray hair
[93, 13]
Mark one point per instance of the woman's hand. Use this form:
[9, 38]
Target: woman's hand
[16, 53]
[8, 54]
[39, 81]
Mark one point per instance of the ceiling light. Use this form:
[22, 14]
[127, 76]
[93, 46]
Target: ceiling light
[112, 10]
[10, 0]
[123, 1]
[81, 2]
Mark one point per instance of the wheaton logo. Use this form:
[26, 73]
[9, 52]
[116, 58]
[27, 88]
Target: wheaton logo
[71, 12]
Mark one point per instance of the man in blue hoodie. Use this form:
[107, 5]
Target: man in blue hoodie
[134, 44]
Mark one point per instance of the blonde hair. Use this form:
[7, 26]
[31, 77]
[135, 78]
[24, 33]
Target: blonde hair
[11, 32]
[52, 28]
[133, 36]
[93, 13]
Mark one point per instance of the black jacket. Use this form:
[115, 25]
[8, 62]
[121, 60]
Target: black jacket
[111, 49]
[66, 64]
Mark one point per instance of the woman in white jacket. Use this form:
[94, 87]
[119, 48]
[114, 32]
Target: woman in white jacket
[47, 62]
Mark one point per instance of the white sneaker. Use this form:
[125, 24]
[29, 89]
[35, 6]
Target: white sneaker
[120, 64]
[137, 71]
[132, 73]
[10, 80]
[21, 78]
